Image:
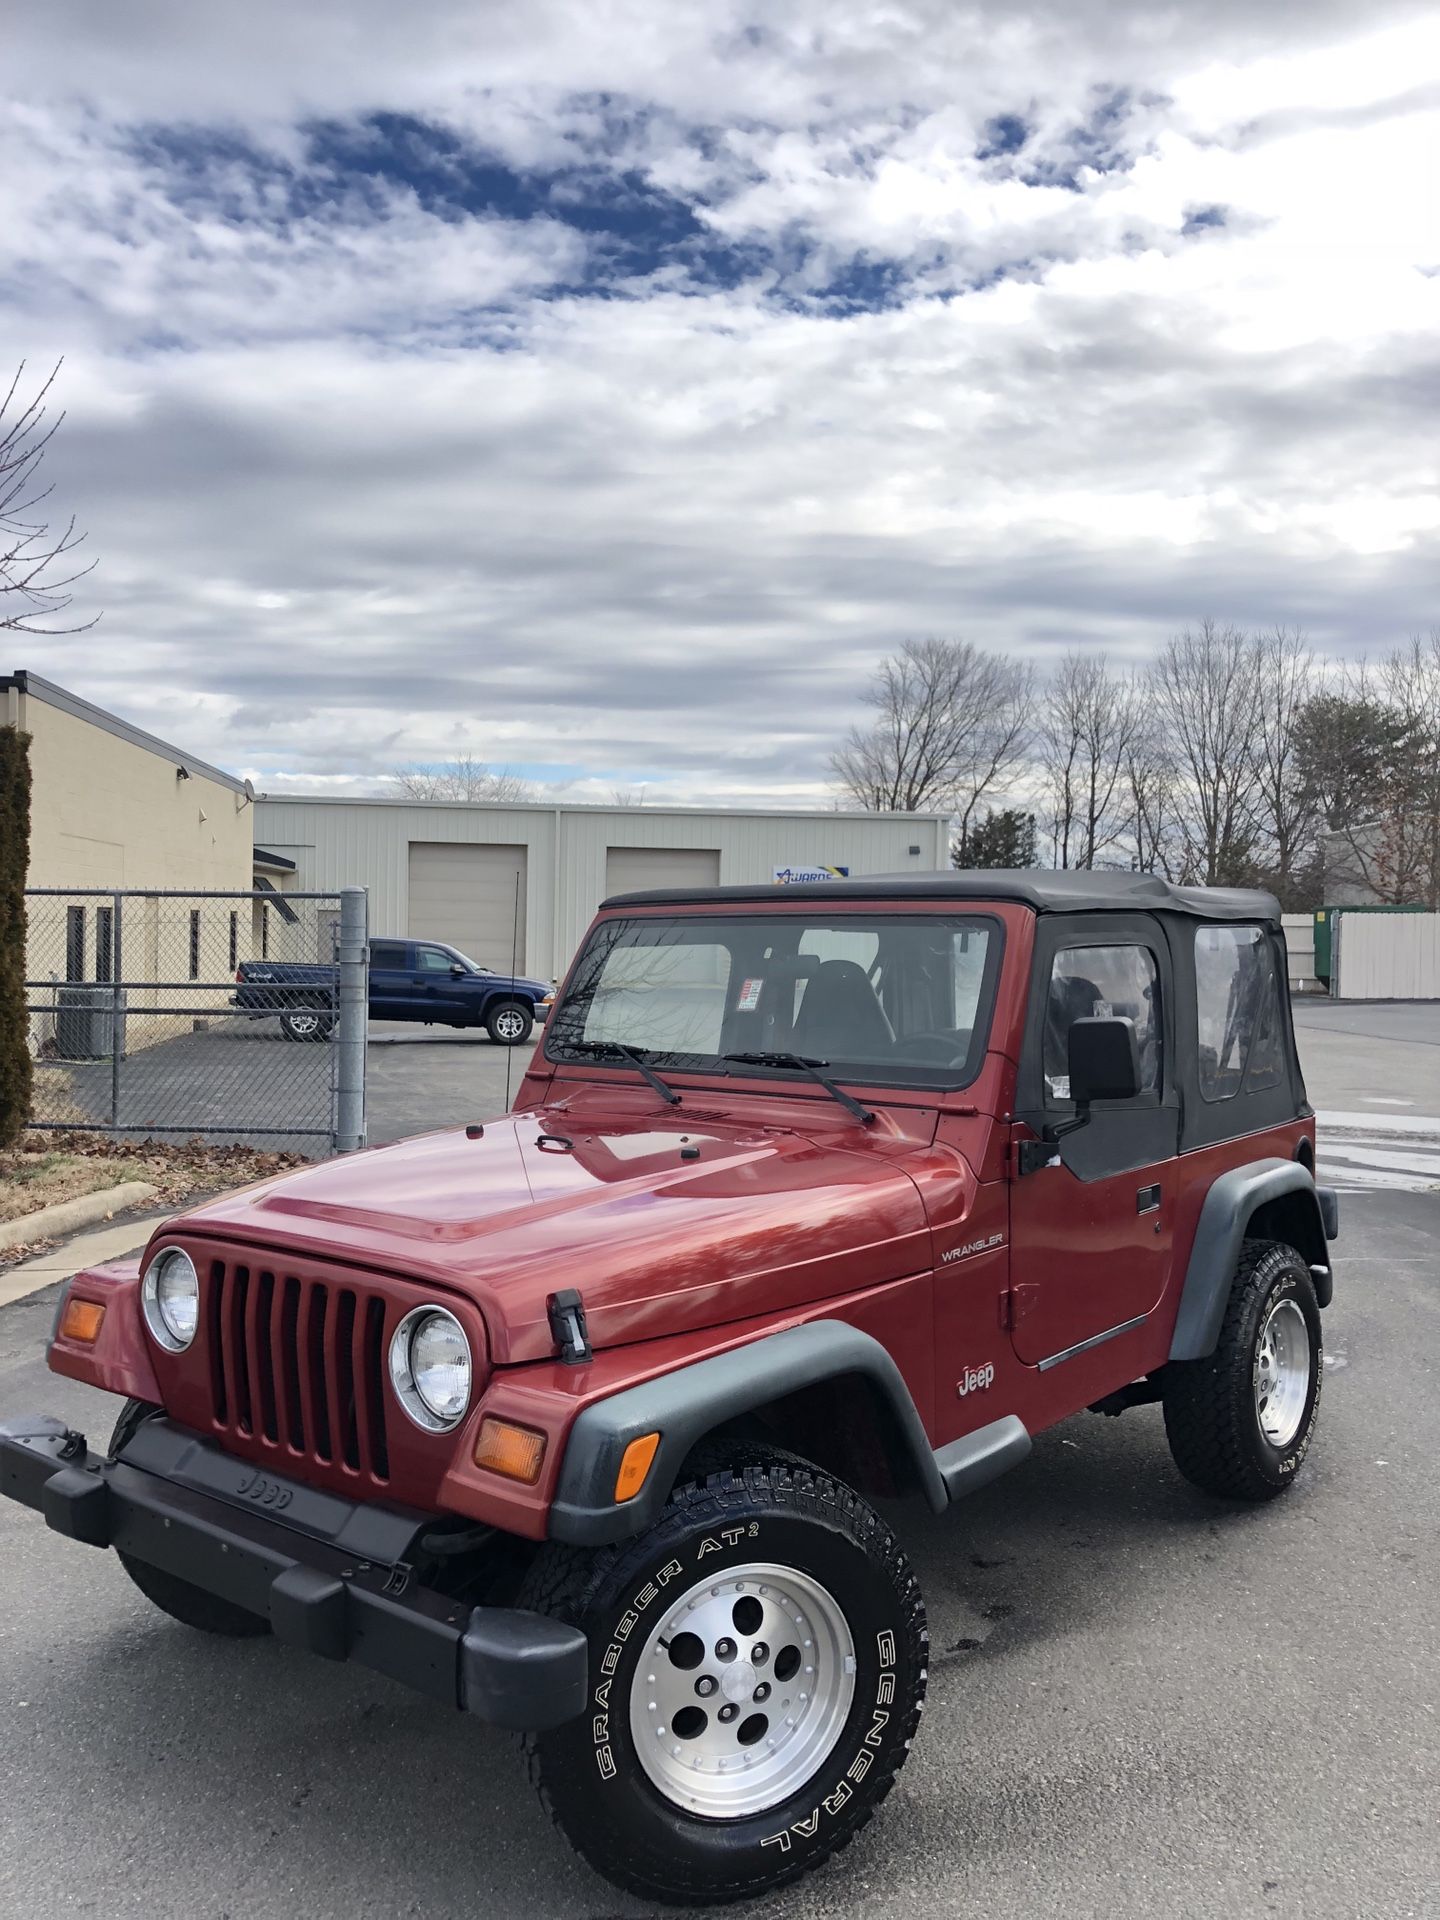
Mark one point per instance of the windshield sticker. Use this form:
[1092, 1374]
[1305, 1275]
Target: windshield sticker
[749, 998]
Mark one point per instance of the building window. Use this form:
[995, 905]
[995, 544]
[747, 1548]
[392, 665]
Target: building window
[104, 943]
[194, 943]
[234, 941]
[75, 943]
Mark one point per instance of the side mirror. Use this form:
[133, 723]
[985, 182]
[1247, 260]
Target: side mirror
[1104, 1060]
[457, 972]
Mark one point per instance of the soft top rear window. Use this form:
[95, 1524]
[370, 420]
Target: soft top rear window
[882, 998]
[1237, 1010]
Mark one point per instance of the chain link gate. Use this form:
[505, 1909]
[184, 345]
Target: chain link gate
[228, 1016]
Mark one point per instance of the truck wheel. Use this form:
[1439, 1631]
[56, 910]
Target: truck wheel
[757, 1671]
[1240, 1421]
[189, 1604]
[306, 1026]
[509, 1024]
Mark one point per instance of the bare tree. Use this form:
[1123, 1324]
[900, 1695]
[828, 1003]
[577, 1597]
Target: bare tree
[1204, 690]
[951, 728]
[1089, 728]
[1152, 813]
[1284, 670]
[1409, 858]
[465, 778]
[36, 569]
[627, 796]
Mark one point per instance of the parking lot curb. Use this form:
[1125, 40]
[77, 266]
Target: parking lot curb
[108, 1243]
[68, 1216]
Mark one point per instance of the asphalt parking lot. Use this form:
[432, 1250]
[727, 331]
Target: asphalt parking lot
[1142, 1702]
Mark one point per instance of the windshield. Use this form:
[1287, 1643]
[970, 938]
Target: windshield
[888, 998]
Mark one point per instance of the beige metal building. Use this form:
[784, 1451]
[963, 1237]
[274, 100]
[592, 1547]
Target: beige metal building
[524, 879]
[114, 808]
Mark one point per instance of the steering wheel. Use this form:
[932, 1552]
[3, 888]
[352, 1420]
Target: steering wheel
[940, 1047]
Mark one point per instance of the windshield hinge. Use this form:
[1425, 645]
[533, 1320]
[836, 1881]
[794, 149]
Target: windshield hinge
[567, 1327]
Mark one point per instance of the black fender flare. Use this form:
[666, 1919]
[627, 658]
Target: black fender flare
[1229, 1207]
[686, 1404]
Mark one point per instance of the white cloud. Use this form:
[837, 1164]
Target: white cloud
[375, 474]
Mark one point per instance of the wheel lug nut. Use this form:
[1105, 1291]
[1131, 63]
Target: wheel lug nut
[762, 1692]
[724, 1649]
[706, 1685]
[728, 1711]
[759, 1654]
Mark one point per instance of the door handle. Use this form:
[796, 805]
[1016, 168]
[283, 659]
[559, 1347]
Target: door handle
[1147, 1199]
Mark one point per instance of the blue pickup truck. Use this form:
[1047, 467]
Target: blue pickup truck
[409, 980]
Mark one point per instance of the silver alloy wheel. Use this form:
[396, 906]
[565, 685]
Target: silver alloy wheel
[1282, 1372]
[509, 1024]
[742, 1691]
[304, 1024]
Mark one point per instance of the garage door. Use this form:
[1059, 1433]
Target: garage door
[643, 869]
[467, 896]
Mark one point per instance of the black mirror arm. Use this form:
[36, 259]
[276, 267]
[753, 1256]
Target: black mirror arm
[1055, 1131]
[1035, 1154]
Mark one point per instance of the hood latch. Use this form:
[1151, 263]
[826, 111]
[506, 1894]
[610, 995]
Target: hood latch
[567, 1327]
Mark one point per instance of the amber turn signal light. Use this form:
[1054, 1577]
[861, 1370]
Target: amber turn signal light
[81, 1321]
[639, 1456]
[517, 1452]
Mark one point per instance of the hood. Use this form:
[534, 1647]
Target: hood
[666, 1223]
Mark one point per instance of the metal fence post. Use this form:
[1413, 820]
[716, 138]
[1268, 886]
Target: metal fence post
[353, 959]
[117, 1000]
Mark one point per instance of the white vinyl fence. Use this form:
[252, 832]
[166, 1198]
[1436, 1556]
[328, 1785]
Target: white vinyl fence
[1387, 956]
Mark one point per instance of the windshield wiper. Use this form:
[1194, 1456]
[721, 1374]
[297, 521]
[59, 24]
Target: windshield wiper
[803, 1064]
[613, 1049]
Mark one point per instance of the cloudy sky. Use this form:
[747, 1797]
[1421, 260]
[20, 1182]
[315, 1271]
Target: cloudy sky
[604, 388]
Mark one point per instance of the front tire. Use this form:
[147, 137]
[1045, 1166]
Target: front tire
[758, 1668]
[509, 1024]
[189, 1604]
[1240, 1421]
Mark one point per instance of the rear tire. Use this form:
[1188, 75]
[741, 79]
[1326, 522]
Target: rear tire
[191, 1605]
[767, 1626]
[509, 1024]
[1240, 1421]
[306, 1026]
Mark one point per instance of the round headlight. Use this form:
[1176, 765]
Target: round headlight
[170, 1299]
[430, 1368]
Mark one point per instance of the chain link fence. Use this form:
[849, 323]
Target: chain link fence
[232, 1016]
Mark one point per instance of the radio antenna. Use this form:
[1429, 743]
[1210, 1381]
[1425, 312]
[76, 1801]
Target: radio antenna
[514, 957]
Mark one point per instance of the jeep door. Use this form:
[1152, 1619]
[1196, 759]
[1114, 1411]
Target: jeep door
[1090, 1232]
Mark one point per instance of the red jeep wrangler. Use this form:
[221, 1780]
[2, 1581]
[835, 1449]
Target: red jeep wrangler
[573, 1420]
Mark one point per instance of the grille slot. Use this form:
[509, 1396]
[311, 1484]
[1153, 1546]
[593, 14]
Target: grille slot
[297, 1363]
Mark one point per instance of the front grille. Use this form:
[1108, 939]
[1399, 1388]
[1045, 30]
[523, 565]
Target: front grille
[300, 1363]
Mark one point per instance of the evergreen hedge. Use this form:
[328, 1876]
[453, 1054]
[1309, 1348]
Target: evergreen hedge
[15, 1070]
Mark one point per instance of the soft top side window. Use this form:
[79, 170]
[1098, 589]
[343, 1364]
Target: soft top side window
[1237, 1011]
[1086, 982]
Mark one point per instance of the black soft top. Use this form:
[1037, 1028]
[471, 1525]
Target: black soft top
[1044, 891]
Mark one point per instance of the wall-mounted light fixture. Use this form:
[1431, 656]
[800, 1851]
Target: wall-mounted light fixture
[182, 773]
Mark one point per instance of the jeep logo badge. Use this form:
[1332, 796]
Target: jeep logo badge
[975, 1379]
[266, 1493]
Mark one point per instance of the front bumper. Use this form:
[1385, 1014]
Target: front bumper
[330, 1575]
